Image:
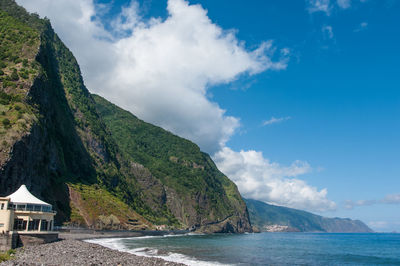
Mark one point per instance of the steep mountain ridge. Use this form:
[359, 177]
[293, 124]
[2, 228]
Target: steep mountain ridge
[196, 191]
[57, 142]
[270, 217]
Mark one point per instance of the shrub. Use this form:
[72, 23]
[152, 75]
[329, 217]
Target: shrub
[14, 75]
[24, 75]
[6, 122]
[4, 98]
[25, 62]
[1, 72]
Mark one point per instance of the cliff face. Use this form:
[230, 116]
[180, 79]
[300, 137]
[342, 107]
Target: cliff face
[59, 141]
[267, 217]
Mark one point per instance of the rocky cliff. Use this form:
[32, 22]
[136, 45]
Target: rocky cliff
[276, 218]
[60, 141]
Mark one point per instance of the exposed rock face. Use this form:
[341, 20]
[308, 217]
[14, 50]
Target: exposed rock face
[69, 152]
[273, 218]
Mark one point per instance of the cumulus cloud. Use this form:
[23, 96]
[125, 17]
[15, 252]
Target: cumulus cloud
[260, 179]
[274, 120]
[161, 69]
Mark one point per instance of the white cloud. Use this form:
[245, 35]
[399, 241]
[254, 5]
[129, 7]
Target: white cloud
[388, 199]
[161, 70]
[260, 179]
[349, 204]
[274, 120]
[327, 31]
[326, 6]
[127, 20]
[344, 3]
[361, 27]
[391, 199]
[319, 6]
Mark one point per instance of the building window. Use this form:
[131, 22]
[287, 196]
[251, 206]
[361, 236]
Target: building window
[44, 225]
[2, 206]
[33, 225]
[46, 208]
[21, 207]
[1, 225]
[19, 224]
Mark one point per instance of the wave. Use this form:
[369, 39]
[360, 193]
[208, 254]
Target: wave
[116, 244]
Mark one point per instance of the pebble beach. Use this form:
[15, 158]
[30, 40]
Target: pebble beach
[73, 251]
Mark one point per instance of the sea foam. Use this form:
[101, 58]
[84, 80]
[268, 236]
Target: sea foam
[116, 244]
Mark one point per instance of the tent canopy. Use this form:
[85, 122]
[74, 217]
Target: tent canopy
[23, 196]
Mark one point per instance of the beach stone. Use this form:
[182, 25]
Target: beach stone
[77, 252]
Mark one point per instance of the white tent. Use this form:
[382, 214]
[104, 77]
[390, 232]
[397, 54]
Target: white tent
[23, 196]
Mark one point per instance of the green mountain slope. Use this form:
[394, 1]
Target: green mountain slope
[196, 191]
[265, 215]
[55, 140]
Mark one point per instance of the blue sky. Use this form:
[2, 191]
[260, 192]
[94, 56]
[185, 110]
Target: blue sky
[303, 111]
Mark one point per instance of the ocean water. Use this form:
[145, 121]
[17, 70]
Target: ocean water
[265, 248]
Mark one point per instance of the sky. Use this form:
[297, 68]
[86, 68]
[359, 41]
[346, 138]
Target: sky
[297, 102]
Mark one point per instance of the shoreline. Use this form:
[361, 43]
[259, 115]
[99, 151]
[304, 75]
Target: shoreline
[72, 249]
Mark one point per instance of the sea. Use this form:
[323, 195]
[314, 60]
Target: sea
[265, 248]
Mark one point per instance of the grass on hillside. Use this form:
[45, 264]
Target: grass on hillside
[93, 204]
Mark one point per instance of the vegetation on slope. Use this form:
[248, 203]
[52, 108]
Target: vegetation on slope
[18, 47]
[67, 149]
[262, 215]
[68, 142]
[176, 162]
[93, 206]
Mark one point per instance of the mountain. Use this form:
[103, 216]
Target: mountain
[98, 165]
[276, 218]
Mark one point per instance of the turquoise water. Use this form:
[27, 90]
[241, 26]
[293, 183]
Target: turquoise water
[267, 248]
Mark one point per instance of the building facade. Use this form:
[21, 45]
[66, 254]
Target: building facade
[21, 212]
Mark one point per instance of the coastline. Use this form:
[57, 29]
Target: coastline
[73, 250]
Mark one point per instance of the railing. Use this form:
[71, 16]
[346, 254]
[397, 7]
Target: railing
[31, 207]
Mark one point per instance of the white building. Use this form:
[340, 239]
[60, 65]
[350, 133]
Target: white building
[21, 212]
